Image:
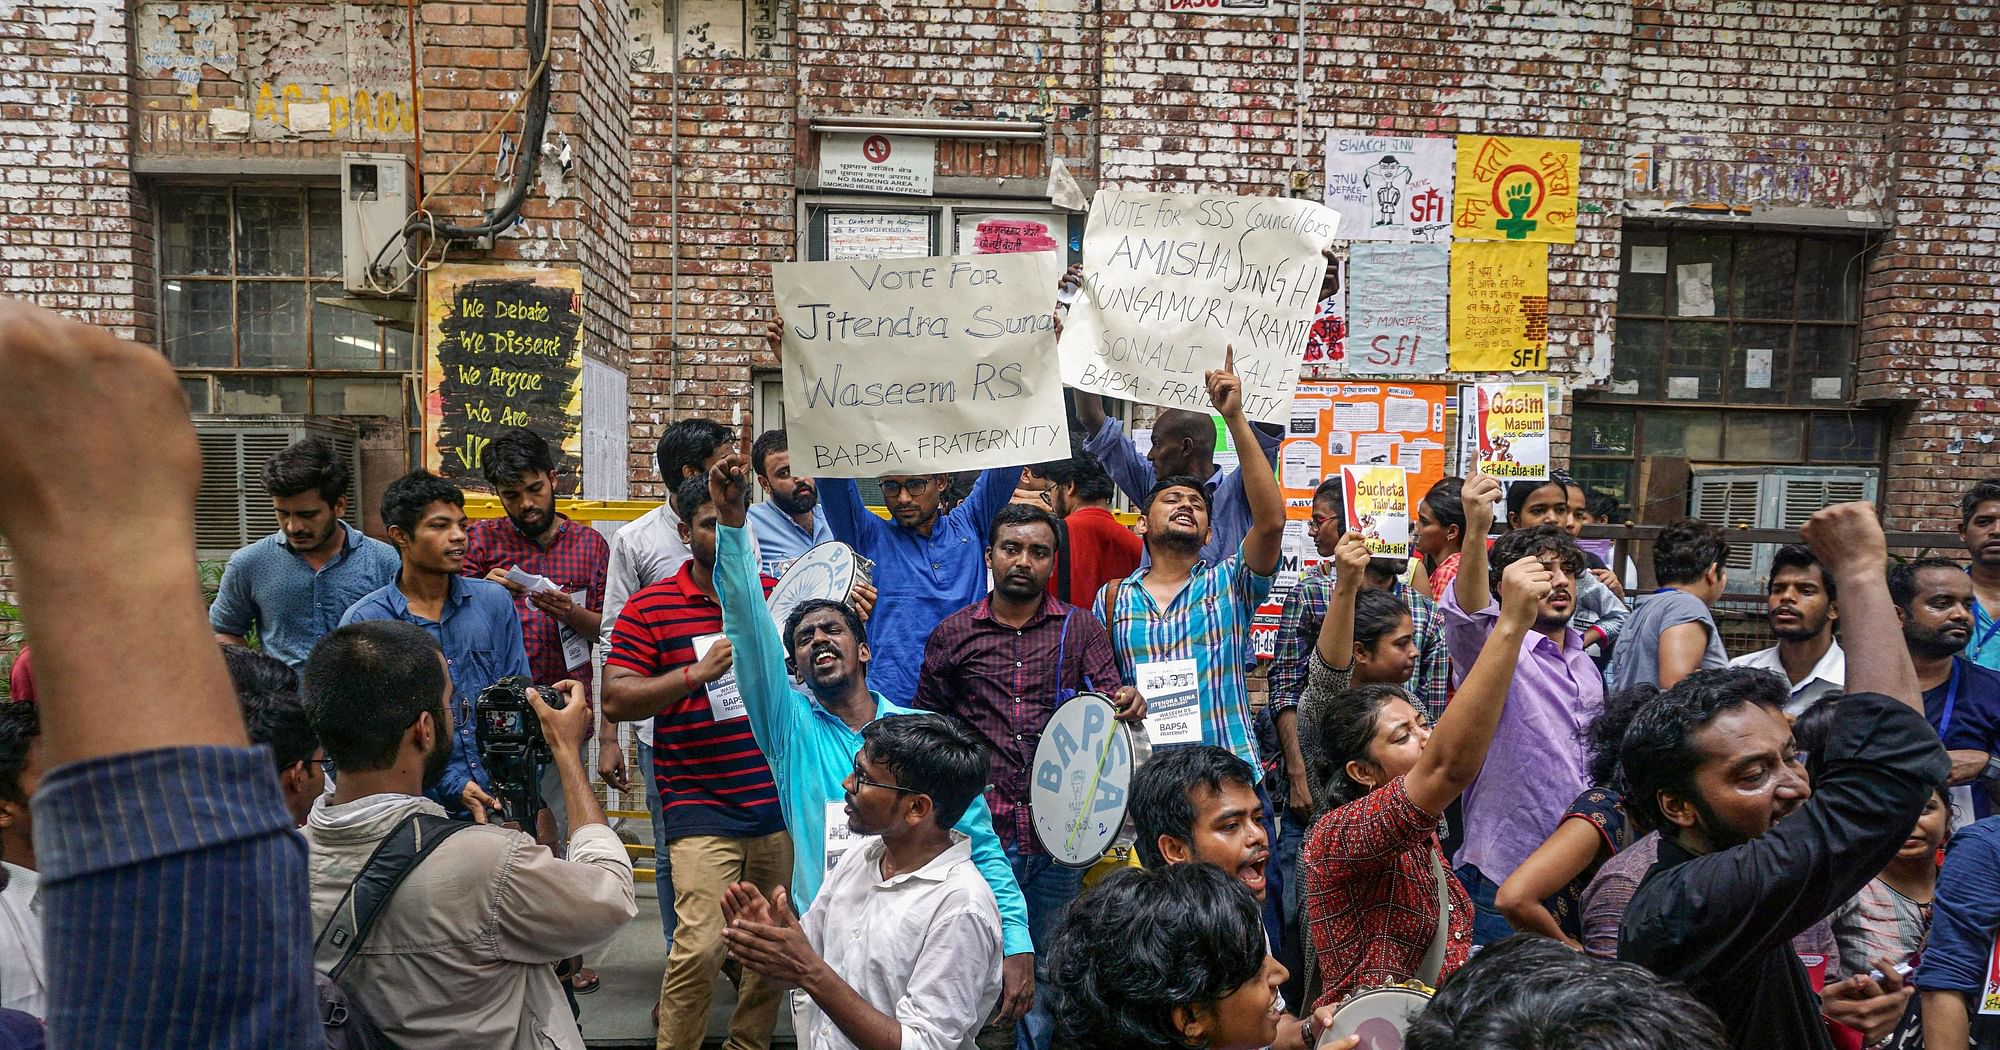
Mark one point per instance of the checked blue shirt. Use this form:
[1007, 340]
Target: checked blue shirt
[1208, 622]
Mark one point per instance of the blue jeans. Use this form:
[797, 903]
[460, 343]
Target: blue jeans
[663, 869]
[1488, 925]
[1048, 888]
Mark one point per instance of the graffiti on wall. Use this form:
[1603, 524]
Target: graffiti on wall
[285, 71]
[177, 40]
[1697, 173]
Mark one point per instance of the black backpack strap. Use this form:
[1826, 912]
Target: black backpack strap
[394, 858]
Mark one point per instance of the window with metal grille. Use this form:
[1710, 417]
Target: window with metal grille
[242, 272]
[1733, 348]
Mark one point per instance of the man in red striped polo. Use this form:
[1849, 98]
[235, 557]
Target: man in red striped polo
[669, 662]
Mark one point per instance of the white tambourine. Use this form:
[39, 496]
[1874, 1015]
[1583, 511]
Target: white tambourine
[827, 571]
[1380, 1016]
[1080, 781]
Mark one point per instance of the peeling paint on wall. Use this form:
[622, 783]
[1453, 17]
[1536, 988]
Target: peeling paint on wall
[1783, 173]
[177, 40]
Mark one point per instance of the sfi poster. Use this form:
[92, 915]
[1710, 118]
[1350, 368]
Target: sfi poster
[1396, 308]
[1499, 307]
[1509, 189]
[506, 351]
[1389, 187]
[1378, 508]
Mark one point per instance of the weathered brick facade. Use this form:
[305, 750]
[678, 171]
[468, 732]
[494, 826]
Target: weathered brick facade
[685, 178]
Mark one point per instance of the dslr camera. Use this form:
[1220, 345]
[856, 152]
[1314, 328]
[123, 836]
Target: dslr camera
[511, 745]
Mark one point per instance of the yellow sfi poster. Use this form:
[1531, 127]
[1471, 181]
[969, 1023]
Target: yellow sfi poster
[1510, 189]
[1499, 307]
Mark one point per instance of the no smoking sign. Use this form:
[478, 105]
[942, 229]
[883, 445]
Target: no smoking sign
[902, 164]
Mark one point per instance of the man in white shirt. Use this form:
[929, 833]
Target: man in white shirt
[901, 950]
[23, 984]
[1801, 607]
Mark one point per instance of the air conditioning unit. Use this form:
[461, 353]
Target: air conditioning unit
[374, 205]
[233, 510]
[1772, 498]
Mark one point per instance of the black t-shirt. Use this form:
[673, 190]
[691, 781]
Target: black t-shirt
[1722, 923]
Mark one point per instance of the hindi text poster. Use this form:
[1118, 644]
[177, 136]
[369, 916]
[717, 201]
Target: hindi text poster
[1511, 189]
[1499, 307]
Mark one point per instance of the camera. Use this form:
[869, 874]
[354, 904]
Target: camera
[511, 744]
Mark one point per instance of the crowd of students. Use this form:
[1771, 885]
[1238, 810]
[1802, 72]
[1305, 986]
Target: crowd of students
[1490, 771]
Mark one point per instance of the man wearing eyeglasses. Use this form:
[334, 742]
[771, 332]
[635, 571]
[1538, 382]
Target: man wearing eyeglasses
[904, 947]
[928, 563]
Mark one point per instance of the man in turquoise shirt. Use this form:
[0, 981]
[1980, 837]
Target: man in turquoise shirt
[1979, 527]
[811, 741]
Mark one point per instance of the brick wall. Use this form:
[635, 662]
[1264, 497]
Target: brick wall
[1201, 102]
[68, 214]
[1930, 342]
[727, 162]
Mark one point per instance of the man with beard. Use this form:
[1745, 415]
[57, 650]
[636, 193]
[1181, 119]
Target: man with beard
[1536, 763]
[291, 586]
[462, 952]
[789, 521]
[810, 740]
[1180, 626]
[1961, 699]
[1183, 446]
[1753, 848]
[1802, 613]
[558, 626]
[1004, 664]
[670, 664]
[472, 620]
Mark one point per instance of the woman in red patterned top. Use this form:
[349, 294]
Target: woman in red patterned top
[1373, 864]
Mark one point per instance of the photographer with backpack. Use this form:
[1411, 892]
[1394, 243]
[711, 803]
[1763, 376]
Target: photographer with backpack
[445, 933]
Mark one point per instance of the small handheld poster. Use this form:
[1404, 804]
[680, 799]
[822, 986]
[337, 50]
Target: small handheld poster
[1378, 508]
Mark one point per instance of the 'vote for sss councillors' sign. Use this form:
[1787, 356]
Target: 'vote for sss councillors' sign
[921, 366]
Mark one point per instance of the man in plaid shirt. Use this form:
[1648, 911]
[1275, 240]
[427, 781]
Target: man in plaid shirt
[559, 624]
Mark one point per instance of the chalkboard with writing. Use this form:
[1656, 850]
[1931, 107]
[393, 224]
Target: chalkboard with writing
[506, 353]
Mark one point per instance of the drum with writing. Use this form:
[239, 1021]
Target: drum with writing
[827, 571]
[1077, 788]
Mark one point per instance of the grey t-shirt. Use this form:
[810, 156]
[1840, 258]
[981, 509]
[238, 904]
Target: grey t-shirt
[1637, 658]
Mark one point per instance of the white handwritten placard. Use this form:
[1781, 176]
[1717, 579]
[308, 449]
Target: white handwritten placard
[1172, 280]
[921, 366]
[1397, 307]
[1390, 187]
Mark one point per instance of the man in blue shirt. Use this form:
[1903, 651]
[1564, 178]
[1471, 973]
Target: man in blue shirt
[293, 585]
[472, 620]
[1965, 917]
[789, 522]
[811, 741]
[928, 563]
[1183, 446]
[1961, 699]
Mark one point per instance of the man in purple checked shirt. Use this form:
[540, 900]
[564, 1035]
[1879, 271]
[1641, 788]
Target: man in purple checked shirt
[1536, 763]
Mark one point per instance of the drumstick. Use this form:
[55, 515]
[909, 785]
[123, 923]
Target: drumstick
[1083, 813]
